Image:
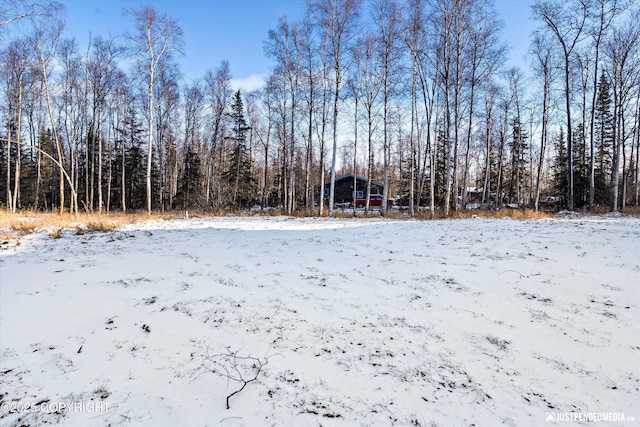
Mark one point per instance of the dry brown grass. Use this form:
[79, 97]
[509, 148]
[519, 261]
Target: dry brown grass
[425, 214]
[606, 209]
[598, 210]
[632, 210]
[102, 226]
[342, 214]
[26, 222]
[269, 212]
[13, 226]
[502, 213]
[23, 226]
[391, 215]
[461, 214]
[7, 235]
[299, 213]
[528, 214]
[376, 214]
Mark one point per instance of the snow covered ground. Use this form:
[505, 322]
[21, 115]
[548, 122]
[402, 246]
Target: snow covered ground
[342, 323]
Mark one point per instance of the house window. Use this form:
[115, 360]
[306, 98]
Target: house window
[360, 194]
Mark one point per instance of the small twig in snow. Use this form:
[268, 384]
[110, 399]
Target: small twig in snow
[522, 276]
[236, 368]
[512, 271]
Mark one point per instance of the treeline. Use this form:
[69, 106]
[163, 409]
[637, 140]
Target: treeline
[413, 94]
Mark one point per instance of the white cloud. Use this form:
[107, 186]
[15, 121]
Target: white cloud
[248, 84]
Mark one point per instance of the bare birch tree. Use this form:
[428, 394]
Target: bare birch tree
[284, 44]
[367, 86]
[338, 19]
[486, 53]
[155, 38]
[543, 66]
[46, 44]
[15, 72]
[387, 21]
[624, 54]
[566, 21]
[605, 13]
[218, 95]
[14, 10]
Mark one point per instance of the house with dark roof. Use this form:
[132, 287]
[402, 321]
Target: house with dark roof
[344, 189]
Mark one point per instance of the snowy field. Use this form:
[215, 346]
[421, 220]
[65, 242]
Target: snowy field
[340, 322]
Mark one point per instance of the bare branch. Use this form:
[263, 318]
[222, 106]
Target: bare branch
[234, 367]
[16, 10]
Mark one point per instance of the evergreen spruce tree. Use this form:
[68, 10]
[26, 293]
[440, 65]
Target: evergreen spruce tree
[189, 190]
[275, 192]
[134, 165]
[238, 177]
[3, 163]
[28, 178]
[560, 182]
[47, 185]
[441, 166]
[26, 189]
[517, 169]
[580, 168]
[603, 139]
[90, 158]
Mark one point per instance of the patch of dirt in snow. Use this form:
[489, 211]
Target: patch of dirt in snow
[316, 321]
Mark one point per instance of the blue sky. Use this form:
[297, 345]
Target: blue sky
[236, 29]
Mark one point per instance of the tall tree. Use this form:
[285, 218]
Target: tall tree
[603, 140]
[542, 65]
[155, 39]
[239, 176]
[130, 160]
[124, 100]
[323, 112]
[486, 53]
[623, 53]
[367, 85]
[424, 54]
[413, 38]
[310, 70]
[338, 20]
[519, 146]
[16, 60]
[284, 44]
[102, 69]
[259, 116]
[71, 114]
[491, 93]
[560, 176]
[189, 187]
[442, 19]
[194, 103]
[45, 43]
[387, 21]
[566, 21]
[168, 121]
[218, 94]
[601, 20]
